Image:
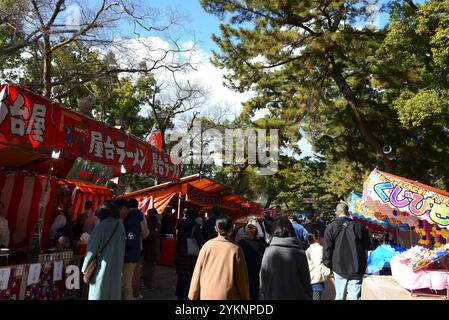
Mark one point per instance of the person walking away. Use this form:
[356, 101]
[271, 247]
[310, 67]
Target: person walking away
[109, 237]
[4, 228]
[186, 227]
[300, 232]
[209, 225]
[345, 247]
[132, 234]
[166, 222]
[62, 225]
[151, 248]
[320, 224]
[319, 273]
[136, 230]
[220, 272]
[253, 249]
[284, 274]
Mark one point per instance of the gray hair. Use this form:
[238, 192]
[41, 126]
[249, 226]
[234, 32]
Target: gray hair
[342, 208]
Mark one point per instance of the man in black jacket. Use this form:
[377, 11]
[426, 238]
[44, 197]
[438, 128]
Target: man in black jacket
[345, 252]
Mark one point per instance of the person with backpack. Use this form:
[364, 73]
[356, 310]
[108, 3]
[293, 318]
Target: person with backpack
[345, 247]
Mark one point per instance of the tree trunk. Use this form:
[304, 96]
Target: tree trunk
[163, 139]
[354, 104]
[239, 174]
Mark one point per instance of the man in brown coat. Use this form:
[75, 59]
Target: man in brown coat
[220, 271]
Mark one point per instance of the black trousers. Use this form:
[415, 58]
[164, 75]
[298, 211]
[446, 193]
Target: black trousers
[183, 286]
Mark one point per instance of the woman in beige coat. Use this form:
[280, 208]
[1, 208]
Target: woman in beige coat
[220, 271]
[319, 273]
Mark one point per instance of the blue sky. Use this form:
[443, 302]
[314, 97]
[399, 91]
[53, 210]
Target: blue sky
[198, 24]
[204, 24]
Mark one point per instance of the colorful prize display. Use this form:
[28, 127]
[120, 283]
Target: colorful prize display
[419, 257]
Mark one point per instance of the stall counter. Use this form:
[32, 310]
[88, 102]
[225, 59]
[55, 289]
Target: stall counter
[36, 280]
[423, 279]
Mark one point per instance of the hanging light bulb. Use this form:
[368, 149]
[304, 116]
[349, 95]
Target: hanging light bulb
[55, 154]
[122, 169]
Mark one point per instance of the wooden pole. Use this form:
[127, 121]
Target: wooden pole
[42, 205]
[179, 201]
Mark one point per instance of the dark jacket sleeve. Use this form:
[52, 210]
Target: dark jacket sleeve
[367, 245]
[328, 247]
[198, 235]
[263, 274]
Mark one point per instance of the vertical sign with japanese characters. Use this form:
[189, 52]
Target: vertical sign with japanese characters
[162, 166]
[22, 118]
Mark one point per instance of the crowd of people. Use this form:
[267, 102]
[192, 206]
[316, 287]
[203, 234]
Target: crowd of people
[276, 257]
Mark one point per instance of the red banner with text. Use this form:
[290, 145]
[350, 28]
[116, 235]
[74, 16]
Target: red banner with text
[201, 197]
[31, 121]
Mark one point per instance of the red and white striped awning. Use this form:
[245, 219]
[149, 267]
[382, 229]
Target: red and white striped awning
[84, 192]
[21, 194]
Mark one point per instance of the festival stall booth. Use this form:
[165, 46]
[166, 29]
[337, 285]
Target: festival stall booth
[50, 155]
[379, 223]
[383, 229]
[194, 191]
[424, 267]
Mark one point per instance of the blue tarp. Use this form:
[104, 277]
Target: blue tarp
[382, 255]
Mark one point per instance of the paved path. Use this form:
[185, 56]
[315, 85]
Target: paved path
[164, 284]
[374, 288]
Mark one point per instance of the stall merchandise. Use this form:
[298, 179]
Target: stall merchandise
[419, 257]
[37, 281]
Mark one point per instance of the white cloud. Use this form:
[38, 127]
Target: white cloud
[204, 73]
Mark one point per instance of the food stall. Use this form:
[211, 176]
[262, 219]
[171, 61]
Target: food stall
[50, 155]
[195, 191]
[422, 267]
